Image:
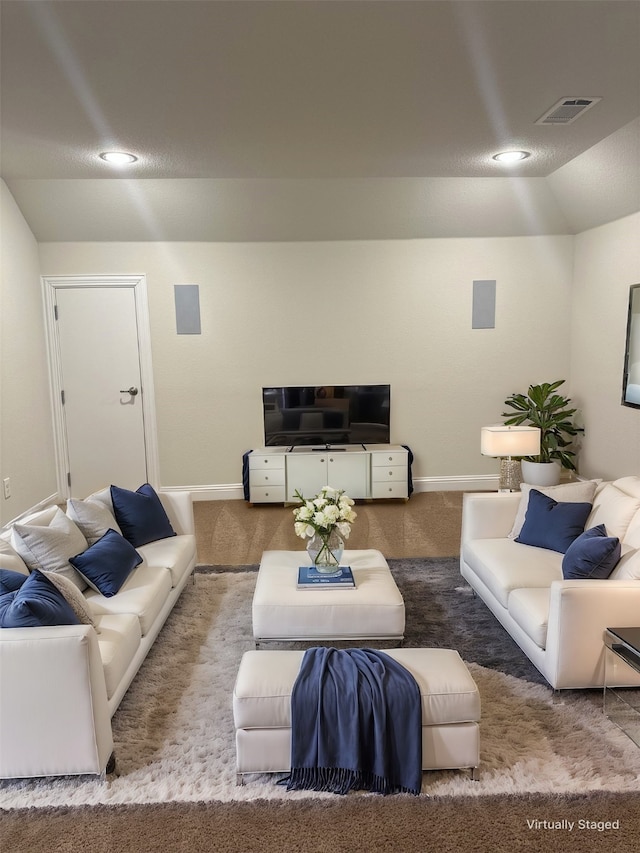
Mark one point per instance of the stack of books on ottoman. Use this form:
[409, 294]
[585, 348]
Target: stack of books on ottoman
[310, 578]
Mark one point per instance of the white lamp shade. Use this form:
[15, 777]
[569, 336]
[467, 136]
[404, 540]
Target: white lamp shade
[501, 440]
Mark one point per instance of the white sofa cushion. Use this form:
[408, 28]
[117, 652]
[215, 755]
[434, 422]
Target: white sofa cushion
[628, 567]
[9, 557]
[615, 505]
[47, 540]
[504, 565]
[262, 692]
[92, 517]
[144, 593]
[632, 536]
[119, 639]
[530, 609]
[176, 553]
[581, 491]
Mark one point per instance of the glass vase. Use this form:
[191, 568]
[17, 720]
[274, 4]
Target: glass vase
[325, 550]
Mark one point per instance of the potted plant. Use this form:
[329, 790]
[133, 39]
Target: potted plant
[551, 412]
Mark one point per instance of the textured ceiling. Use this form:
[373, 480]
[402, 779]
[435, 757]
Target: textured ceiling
[317, 120]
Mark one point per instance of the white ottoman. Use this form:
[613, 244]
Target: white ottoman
[262, 709]
[374, 610]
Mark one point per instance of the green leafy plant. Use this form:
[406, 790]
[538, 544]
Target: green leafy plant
[542, 407]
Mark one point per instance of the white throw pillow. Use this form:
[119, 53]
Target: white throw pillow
[580, 491]
[615, 508]
[48, 546]
[93, 519]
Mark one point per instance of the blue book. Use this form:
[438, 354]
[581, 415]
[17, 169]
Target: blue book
[310, 578]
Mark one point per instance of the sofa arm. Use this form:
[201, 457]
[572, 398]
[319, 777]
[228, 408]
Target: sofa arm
[54, 717]
[579, 613]
[488, 515]
[179, 507]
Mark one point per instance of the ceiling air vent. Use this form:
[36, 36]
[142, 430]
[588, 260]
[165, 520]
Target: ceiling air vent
[567, 110]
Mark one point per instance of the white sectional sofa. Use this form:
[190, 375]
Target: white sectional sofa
[559, 624]
[62, 684]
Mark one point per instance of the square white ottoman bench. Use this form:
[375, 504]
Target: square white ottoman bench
[262, 709]
[374, 610]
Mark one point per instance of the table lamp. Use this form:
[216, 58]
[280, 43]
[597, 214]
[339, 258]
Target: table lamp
[507, 441]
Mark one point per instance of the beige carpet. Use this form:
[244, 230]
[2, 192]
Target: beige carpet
[234, 533]
[398, 824]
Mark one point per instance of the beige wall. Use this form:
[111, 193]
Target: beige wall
[341, 312]
[607, 263]
[26, 442]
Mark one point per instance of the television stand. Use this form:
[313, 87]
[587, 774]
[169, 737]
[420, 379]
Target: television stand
[364, 472]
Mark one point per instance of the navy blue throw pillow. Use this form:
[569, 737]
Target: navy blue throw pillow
[37, 603]
[107, 563]
[10, 581]
[592, 555]
[140, 515]
[552, 524]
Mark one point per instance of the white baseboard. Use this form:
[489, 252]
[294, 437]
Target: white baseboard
[474, 483]
[234, 491]
[222, 492]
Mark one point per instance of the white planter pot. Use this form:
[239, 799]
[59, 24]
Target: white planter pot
[541, 473]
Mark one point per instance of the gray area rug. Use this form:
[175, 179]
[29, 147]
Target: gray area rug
[174, 730]
[442, 611]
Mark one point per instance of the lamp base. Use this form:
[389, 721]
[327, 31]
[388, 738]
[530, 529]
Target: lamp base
[510, 475]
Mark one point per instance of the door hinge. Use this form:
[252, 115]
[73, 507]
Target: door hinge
[55, 312]
[69, 479]
[62, 397]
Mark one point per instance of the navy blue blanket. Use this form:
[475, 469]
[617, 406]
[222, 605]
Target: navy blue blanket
[356, 723]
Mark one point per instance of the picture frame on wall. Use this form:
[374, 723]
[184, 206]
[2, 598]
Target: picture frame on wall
[631, 372]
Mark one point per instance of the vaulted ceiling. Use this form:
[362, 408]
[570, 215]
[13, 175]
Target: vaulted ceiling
[317, 119]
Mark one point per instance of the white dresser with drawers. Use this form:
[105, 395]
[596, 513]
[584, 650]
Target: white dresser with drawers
[371, 471]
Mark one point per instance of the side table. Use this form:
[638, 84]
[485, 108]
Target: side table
[622, 704]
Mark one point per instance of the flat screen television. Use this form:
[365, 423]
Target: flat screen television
[328, 415]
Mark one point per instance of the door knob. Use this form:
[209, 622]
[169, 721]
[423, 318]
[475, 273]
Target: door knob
[133, 391]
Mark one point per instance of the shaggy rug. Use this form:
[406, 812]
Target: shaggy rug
[174, 730]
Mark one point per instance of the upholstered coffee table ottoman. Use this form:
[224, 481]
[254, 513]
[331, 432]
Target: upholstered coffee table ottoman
[374, 610]
[262, 709]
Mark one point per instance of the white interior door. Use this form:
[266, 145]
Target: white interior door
[101, 387]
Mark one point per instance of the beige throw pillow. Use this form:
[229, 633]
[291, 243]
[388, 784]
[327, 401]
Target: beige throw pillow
[75, 599]
[581, 491]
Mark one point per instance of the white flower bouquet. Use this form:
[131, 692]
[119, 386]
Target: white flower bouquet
[330, 511]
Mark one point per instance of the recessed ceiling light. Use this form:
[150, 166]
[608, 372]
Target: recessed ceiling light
[118, 158]
[511, 156]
